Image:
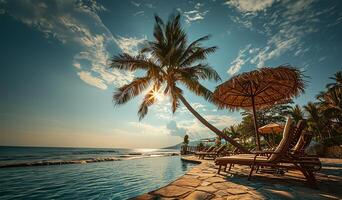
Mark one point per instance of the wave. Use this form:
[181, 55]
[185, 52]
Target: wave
[83, 161]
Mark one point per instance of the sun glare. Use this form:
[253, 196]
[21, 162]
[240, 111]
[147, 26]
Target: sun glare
[157, 95]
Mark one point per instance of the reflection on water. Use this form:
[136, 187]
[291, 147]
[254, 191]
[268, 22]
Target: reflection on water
[106, 180]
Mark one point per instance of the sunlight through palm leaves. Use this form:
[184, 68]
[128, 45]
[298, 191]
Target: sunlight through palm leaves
[169, 60]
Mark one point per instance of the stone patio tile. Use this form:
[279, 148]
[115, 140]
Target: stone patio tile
[236, 191]
[191, 182]
[221, 186]
[172, 191]
[205, 183]
[242, 197]
[215, 180]
[210, 189]
[199, 195]
[221, 193]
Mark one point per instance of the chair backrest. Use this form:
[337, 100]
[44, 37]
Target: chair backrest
[297, 133]
[284, 141]
[290, 138]
[210, 149]
[303, 142]
[219, 150]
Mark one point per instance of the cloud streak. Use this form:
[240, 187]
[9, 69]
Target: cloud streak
[284, 27]
[239, 61]
[77, 24]
[250, 5]
[197, 14]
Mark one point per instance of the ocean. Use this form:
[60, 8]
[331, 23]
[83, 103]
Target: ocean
[85, 173]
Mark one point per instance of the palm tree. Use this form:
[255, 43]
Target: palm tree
[331, 103]
[314, 118]
[338, 80]
[168, 61]
[296, 113]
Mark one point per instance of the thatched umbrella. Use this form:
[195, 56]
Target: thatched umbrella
[258, 89]
[271, 129]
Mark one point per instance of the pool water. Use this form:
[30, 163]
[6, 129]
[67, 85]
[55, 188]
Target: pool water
[104, 180]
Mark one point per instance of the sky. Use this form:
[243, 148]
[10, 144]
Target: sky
[56, 87]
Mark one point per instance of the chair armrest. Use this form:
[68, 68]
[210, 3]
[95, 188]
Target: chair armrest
[262, 152]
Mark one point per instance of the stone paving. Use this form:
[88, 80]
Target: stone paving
[203, 182]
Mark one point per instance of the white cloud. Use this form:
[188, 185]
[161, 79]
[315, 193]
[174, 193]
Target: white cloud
[197, 130]
[284, 28]
[94, 81]
[250, 5]
[146, 128]
[196, 14]
[162, 110]
[175, 130]
[139, 13]
[77, 65]
[149, 5]
[75, 23]
[130, 45]
[135, 4]
[322, 59]
[239, 61]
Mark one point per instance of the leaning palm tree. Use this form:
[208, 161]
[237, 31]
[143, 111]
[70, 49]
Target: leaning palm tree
[169, 61]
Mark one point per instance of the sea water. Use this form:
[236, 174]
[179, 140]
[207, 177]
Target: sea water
[136, 171]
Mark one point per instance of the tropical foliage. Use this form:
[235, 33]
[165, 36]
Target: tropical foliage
[324, 117]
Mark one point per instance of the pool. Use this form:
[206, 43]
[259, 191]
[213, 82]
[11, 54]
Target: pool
[105, 180]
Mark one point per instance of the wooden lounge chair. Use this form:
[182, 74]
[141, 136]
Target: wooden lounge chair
[213, 154]
[211, 148]
[282, 157]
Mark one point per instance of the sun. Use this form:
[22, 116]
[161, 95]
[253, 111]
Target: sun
[157, 95]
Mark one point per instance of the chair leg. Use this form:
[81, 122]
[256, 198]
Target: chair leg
[251, 172]
[312, 180]
[257, 169]
[225, 168]
[219, 170]
[310, 177]
[230, 167]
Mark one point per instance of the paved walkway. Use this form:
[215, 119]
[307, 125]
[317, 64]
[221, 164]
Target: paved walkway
[203, 182]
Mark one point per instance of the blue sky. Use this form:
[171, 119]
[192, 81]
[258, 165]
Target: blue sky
[56, 88]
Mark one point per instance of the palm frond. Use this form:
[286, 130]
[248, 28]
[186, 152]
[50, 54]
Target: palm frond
[196, 87]
[158, 31]
[147, 101]
[131, 90]
[191, 48]
[131, 63]
[198, 55]
[174, 93]
[203, 71]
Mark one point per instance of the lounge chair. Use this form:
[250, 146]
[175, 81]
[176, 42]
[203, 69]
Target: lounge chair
[213, 154]
[282, 157]
[211, 148]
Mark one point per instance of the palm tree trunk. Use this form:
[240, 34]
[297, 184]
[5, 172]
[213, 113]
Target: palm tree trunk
[211, 127]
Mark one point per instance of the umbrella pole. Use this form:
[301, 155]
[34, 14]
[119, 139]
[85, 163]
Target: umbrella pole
[256, 126]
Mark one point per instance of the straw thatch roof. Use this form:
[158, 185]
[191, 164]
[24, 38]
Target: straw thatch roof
[271, 128]
[268, 86]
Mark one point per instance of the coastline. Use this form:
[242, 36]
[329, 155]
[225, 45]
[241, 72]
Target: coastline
[203, 182]
[45, 156]
[82, 161]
